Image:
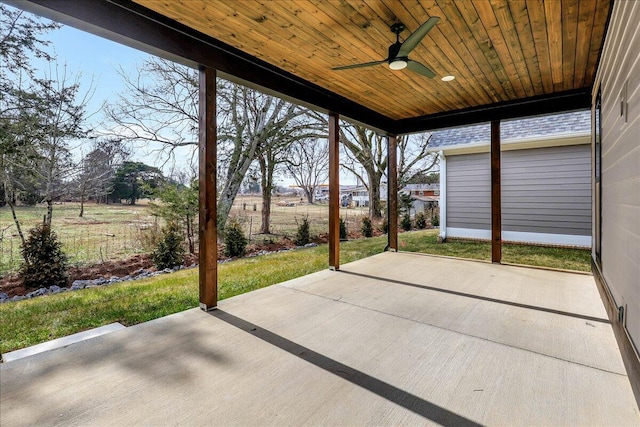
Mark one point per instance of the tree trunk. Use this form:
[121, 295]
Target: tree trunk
[190, 234]
[81, 204]
[375, 211]
[11, 199]
[49, 215]
[225, 202]
[309, 193]
[266, 196]
[15, 220]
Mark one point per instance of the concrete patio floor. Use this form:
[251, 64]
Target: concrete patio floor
[395, 339]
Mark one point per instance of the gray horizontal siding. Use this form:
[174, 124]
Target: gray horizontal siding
[547, 190]
[544, 190]
[469, 191]
[620, 250]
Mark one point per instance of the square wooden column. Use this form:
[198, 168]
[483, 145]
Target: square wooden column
[496, 200]
[392, 194]
[334, 192]
[208, 230]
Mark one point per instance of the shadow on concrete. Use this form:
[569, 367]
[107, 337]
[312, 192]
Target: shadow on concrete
[479, 297]
[170, 351]
[383, 389]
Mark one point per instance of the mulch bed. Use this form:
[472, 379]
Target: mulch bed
[12, 286]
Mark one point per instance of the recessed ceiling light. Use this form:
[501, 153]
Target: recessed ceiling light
[447, 78]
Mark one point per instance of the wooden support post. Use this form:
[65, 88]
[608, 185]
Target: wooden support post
[334, 192]
[392, 194]
[208, 230]
[496, 201]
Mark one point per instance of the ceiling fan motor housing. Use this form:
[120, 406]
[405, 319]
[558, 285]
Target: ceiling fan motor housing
[395, 48]
[393, 52]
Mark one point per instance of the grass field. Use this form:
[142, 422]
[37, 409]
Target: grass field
[108, 232]
[30, 322]
[104, 232]
[284, 219]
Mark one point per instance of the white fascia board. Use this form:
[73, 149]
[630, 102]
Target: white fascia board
[517, 144]
[468, 233]
[442, 204]
[524, 237]
[545, 238]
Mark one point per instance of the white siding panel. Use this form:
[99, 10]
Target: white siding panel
[620, 256]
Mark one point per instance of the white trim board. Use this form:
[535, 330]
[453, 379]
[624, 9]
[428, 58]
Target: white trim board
[516, 144]
[521, 236]
[61, 342]
[442, 203]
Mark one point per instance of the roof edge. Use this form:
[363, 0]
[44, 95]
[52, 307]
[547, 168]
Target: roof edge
[577, 99]
[517, 144]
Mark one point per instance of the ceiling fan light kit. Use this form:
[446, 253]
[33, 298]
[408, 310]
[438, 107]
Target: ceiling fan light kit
[398, 64]
[398, 58]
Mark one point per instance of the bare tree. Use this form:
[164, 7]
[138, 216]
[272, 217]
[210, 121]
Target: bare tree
[96, 171]
[20, 40]
[308, 164]
[252, 122]
[61, 121]
[414, 160]
[369, 150]
[296, 124]
[161, 105]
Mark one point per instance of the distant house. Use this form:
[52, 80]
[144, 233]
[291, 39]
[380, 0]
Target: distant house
[546, 180]
[322, 192]
[424, 204]
[421, 189]
[360, 195]
[425, 196]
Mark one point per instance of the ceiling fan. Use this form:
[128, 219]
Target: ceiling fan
[398, 58]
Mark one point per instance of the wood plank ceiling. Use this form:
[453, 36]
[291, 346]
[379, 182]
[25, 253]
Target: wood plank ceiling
[497, 50]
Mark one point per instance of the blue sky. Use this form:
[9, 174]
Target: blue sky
[98, 59]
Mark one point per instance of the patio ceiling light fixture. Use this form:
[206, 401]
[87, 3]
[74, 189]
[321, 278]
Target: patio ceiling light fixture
[398, 64]
[447, 78]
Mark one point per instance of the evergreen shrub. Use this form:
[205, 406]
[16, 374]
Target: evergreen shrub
[44, 263]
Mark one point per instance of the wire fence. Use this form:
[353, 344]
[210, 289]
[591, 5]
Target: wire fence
[286, 215]
[90, 243]
[117, 232]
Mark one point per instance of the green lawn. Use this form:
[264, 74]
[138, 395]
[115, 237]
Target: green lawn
[30, 322]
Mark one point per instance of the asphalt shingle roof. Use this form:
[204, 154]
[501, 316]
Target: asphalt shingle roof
[557, 124]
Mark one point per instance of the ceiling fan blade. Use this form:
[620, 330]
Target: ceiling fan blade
[416, 37]
[417, 67]
[366, 64]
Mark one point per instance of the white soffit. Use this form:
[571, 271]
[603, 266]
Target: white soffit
[518, 144]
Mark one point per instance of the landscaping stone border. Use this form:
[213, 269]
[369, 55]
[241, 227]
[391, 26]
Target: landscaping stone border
[138, 274]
